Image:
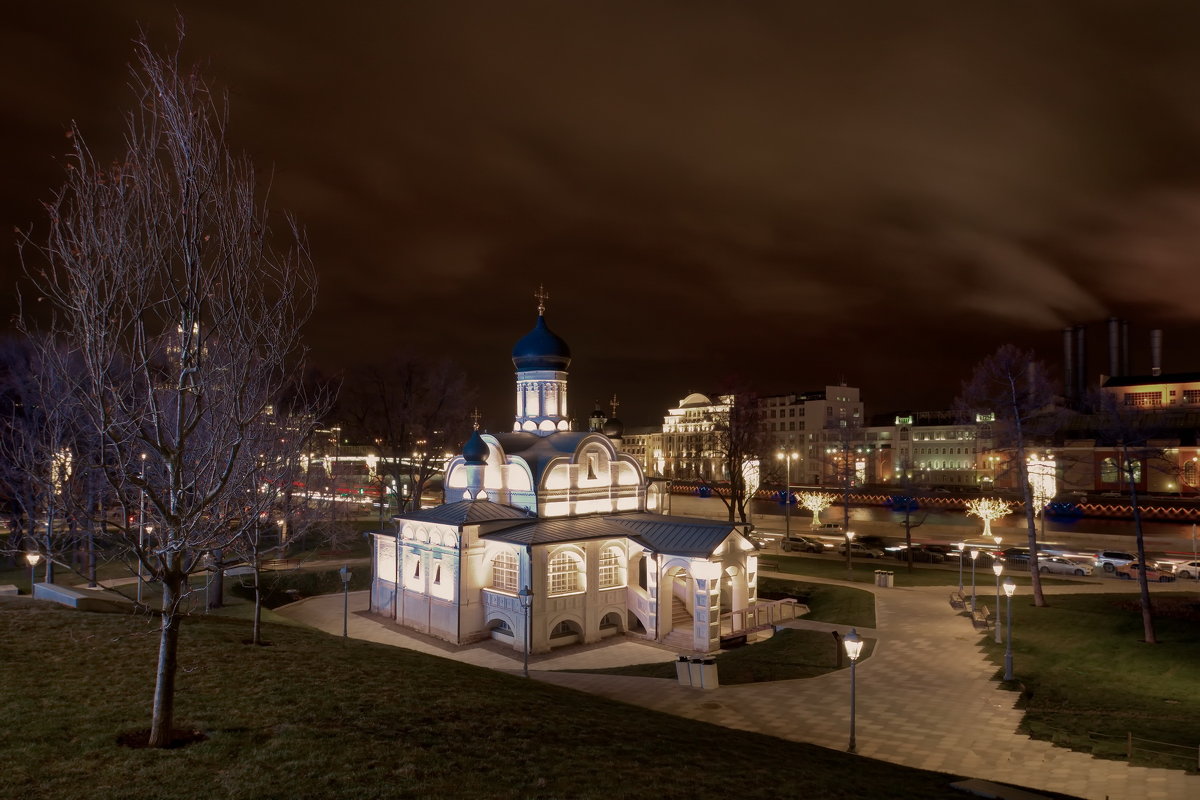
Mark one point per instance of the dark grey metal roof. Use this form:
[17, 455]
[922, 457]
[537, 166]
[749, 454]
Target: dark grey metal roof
[539, 451]
[465, 512]
[685, 536]
[1151, 380]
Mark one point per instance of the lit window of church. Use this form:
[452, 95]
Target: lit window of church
[564, 574]
[504, 571]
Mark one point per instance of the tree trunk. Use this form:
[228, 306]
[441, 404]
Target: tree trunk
[1143, 582]
[163, 714]
[256, 631]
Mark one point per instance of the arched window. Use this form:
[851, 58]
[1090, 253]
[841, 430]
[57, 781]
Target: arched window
[504, 571]
[1108, 470]
[564, 573]
[1189, 472]
[612, 572]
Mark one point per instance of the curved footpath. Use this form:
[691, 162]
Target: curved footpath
[926, 698]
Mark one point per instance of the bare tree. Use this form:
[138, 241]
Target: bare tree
[409, 412]
[816, 502]
[987, 509]
[1011, 384]
[1131, 432]
[166, 282]
[737, 441]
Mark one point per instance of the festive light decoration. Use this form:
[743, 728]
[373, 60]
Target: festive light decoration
[816, 502]
[988, 509]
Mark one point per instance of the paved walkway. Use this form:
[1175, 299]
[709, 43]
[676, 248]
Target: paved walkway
[926, 698]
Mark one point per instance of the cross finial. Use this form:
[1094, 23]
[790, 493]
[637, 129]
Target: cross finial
[475, 415]
[542, 296]
[614, 404]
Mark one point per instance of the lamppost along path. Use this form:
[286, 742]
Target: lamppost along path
[853, 644]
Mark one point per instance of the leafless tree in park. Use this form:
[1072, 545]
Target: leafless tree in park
[1131, 432]
[164, 277]
[410, 411]
[737, 441]
[816, 502]
[1012, 385]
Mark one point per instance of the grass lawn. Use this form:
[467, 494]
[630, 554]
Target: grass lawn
[864, 572]
[791, 653]
[1090, 680]
[315, 717]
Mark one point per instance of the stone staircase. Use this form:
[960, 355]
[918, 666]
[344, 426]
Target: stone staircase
[680, 637]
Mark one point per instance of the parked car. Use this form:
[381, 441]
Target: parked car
[920, 552]
[861, 550]
[1063, 566]
[805, 544]
[1109, 560]
[1185, 569]
[828, 527]
[1130, 571]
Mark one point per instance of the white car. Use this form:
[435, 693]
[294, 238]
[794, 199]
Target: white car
[1183, 569]
[1063, 566]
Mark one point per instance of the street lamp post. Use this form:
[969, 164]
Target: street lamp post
[853, 644]
[997, 568]
[1010, 586]
[974, 557]
[849, 549]
[345, 573]
[960, 546]
[787, 459]
[526, 595]
[32, 559]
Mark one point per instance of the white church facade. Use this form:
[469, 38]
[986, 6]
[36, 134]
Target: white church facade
[552, 536]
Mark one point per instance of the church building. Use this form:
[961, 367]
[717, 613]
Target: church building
[549, 536]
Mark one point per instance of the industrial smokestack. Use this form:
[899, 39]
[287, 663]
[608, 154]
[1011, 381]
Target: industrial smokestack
[1114, 346]
[1080, 361]
[1068, 364]
[1125, 348]
[1156, 352]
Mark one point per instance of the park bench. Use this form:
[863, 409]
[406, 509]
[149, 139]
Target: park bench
[956, 601]
[982, 617]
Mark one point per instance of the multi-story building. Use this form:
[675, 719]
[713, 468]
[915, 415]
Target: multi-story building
[809, 424]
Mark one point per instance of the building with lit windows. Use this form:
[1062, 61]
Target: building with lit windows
[565, 521]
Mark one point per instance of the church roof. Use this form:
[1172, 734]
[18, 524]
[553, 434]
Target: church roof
[539, 451]
[541, 348]
[684, 536]
[465, 512]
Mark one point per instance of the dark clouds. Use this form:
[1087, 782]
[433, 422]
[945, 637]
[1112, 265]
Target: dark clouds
[794, 192]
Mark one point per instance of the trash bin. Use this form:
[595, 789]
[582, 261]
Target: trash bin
[879, 577]
[891, 579]
[694, 671]
[682, 672]
[708, 673]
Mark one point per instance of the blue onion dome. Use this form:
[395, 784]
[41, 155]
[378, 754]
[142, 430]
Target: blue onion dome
[614, 428]
[541, 348]
[475, 451]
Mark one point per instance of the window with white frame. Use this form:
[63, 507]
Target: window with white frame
[564, 573]
[612, 573]
[504, 571]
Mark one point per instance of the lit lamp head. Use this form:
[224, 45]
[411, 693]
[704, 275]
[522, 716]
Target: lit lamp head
[526, 596]
[1010, 587]
[974, 554]
[853, 644]
[998, 540]
[32, 559]
[345, 573]
[997, 568]
[850, 536]
[960, 546]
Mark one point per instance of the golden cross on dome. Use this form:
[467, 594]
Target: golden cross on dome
[475, 415]
[614, 404]
[542, 296]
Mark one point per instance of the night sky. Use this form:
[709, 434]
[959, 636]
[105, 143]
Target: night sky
[788, 194]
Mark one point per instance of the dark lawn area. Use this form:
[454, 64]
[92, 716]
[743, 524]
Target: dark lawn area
[1090, 680]
[315, 717]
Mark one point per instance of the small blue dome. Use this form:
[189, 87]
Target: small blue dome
[541, 348]
[475, 451]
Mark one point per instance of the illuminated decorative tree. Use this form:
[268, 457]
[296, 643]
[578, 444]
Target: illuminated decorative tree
[988, 509]
[816, 502]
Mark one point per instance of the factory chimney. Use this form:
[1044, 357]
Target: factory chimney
[1156, 352]
[1080, 361]
[1068, 365]
[1114, 347]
